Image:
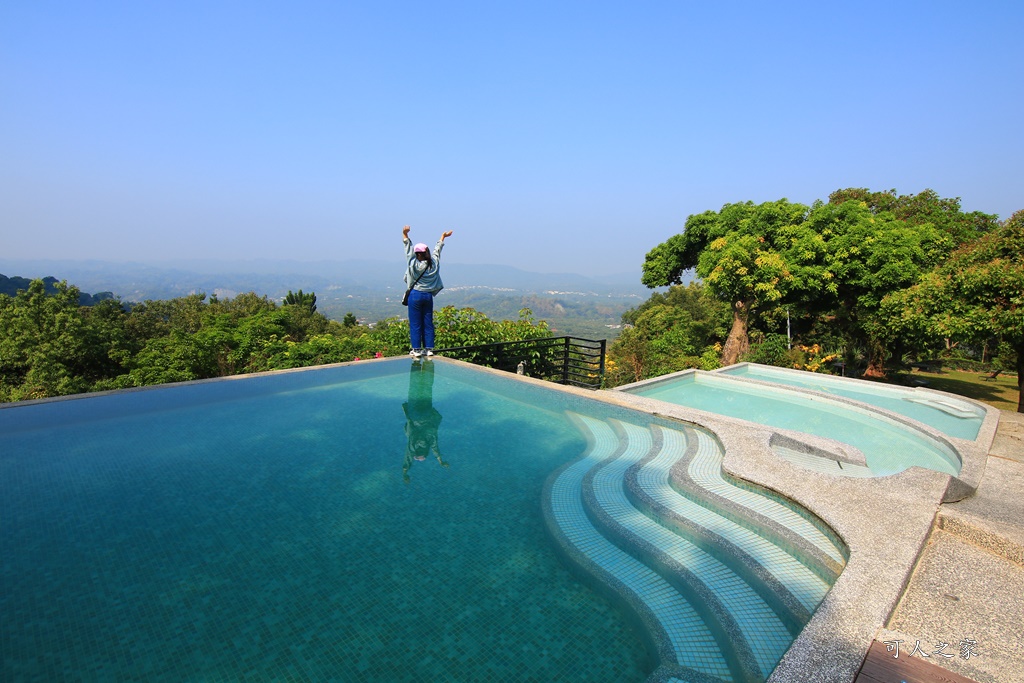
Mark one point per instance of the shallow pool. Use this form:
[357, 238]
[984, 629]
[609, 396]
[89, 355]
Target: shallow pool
[888, 446]
[947, 414]
[382, 521]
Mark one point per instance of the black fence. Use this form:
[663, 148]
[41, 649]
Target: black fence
[566, 360]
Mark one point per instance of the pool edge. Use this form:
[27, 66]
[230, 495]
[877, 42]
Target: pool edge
[885, 523]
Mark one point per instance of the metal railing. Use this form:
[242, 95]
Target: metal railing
[566, 360]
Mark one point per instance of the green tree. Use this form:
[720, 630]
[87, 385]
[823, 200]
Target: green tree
[468, 327]
[185, 339]
[159, 317]
[741, 254]
[976, 295]
[303, 316]
[834, 261]
[304, 322]
[321, 349]
[178, 357]
[847, 257]
[927, 207]
[882, 242]
[49, 348]
[300, 299]
[669, 332]
[107, 327]
[243, 305]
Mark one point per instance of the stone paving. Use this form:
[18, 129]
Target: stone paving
[969, 580]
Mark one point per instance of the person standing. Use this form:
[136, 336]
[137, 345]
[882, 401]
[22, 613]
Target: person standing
[423, 280]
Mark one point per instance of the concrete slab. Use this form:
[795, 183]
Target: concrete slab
[1009, 439]
[960, 592]
[993, 518]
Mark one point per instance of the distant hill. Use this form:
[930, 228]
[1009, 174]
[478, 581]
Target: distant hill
[12, 285]
[581, 305]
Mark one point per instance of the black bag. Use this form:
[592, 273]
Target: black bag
[405, 299]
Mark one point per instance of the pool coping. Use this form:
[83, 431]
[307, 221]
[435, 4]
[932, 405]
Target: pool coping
[884, 521]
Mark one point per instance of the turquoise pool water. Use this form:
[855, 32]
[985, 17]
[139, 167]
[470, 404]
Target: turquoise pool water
[888, 447]
[949, 415]
[374, 522]
[261, 529]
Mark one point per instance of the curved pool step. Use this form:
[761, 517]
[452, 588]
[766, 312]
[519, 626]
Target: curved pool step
[754, 558]
[749, 632]
[700, 478]
[720, 574]
[682, 643]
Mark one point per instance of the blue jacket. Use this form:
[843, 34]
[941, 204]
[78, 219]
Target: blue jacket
[430, 281]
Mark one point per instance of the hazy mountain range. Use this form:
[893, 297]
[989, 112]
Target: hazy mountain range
[572, 303]
[139, 281]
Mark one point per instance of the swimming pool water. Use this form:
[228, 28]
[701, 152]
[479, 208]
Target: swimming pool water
[950, 416]
[263, 529]
[888, 447]
[388, 521]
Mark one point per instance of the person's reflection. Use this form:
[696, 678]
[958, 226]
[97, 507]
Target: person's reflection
[421, 418]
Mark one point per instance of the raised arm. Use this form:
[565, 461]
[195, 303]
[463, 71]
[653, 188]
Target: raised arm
[446, 234]
[405, 234]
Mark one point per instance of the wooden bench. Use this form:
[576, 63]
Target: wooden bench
[881, 667]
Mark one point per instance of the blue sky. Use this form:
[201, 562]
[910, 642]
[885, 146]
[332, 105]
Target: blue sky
[553, 136]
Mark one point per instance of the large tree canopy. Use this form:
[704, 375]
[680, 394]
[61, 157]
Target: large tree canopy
[833, 261]
[742, 254]
[977, 294]
[943, 214]
[850, 257]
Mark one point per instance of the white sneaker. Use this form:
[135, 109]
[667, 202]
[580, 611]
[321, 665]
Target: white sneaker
[430, 352]
[415, 353]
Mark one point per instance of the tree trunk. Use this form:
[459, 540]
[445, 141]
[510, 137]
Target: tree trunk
[875, 369]
[737, 343]
[1020, 376]
[876, 362]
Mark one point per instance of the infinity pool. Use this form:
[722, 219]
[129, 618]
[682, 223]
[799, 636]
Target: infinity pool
[263, 528]
[384, 521]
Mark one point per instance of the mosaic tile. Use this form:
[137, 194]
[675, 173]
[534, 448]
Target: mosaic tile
[270, 536]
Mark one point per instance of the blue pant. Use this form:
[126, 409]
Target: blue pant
[421, 319]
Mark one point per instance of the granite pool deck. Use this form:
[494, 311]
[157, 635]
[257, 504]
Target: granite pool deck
[919, 568]
[969, 580]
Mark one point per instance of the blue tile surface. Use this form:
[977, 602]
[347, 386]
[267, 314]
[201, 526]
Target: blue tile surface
[269, 535]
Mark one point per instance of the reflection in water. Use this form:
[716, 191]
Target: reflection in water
[421, 418]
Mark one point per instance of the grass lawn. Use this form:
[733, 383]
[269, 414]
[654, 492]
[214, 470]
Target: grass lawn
[1000, 392]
